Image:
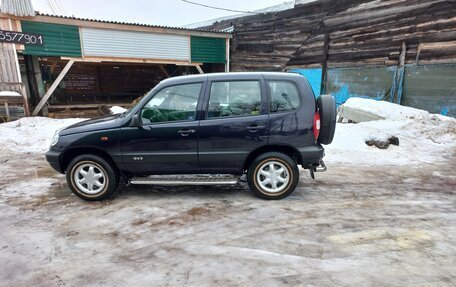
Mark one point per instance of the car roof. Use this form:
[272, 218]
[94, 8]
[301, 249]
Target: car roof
[228, 76]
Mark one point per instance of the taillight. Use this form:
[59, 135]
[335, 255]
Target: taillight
[316, 125]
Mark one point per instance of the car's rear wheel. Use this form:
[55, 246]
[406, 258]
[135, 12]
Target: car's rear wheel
[91, 177]
[273, 175]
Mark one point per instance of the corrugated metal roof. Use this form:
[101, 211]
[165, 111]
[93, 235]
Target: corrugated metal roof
[131, 24]
[17, 7]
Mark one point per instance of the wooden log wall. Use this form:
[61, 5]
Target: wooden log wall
[8, 63]
[345, 33]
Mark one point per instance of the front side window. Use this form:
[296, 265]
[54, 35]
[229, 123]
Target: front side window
[234, 98]
[284, 96]
[175, 103]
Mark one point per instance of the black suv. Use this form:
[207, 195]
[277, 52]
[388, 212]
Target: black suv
[215, 127]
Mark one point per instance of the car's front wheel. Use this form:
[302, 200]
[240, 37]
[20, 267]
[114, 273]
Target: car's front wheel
[91, 177]
[273, 175]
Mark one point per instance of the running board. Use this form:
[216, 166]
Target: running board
[186, 180]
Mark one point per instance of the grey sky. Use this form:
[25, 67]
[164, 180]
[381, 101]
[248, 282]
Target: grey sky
[169, 12]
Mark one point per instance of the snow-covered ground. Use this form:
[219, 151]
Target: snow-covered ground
[30, 135]
[117, 110]
[423, 137]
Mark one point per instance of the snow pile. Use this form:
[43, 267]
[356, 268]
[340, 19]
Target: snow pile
[423, 137]
[117, 110]
[30, 135]
[387, 110]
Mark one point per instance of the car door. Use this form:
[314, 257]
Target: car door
[235, 123]
[166, 140]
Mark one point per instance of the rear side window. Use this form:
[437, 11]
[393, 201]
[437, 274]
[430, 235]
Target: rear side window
[234, 98]
[284, 96]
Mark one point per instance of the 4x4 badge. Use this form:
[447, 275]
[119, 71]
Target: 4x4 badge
[137, 158]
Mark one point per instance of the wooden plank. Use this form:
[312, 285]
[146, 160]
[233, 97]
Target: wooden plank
[52, 88]
[129, 60]
[324, 64]
[25, 101]
[53, 65]
[10, 83]
[97, 80]
[227, 56]
[163, 70]
[11, 100]
[339, 21]
[84, 106]
[199, 69]
[7, 112]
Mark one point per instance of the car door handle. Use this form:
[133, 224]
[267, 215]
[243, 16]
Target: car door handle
[186, 132]
[255, 128]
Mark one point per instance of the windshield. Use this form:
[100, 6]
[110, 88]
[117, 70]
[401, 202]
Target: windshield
[137, 102]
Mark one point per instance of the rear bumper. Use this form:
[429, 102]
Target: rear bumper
[53, 158]
[311, 155]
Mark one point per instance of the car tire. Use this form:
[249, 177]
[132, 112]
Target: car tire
[92, 178]
[327, 109]
[275, 185]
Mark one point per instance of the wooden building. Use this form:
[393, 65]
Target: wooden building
[74, 62]
[13, 91]
[399, 50]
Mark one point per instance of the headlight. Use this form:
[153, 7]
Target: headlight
[55, 138]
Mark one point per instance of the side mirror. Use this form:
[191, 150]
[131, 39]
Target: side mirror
[135, 122]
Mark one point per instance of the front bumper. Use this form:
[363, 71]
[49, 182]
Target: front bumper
[53, 158]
